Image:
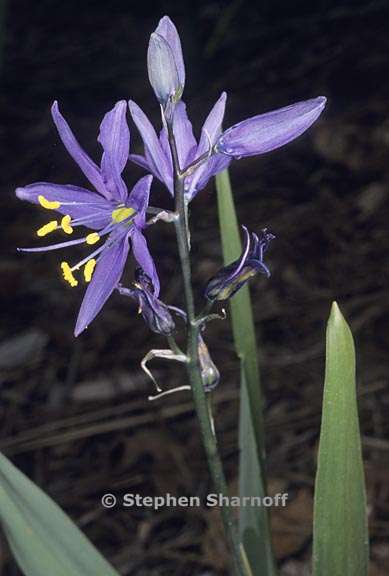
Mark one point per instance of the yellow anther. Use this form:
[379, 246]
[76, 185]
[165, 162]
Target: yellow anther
[47, 228]
[89, 269]
[65, 224]
[68, 274]
[121, 214]
[48, 204]
[92, 238]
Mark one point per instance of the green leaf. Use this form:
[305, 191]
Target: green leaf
[253, 521]
[42, 537]
[340, 535]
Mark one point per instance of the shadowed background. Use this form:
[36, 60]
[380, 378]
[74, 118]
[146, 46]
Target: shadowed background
[74, 413]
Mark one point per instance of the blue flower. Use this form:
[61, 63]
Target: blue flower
[110, 212]
[199, 161]
[157, 156]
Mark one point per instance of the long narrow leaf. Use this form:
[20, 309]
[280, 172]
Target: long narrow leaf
[253, 521]
[44, 541]
[340, 545]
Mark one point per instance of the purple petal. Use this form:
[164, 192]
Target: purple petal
[243, 258]
[142, 162]
[183, 132]
[164, 141]
[86, 203]
[167, 30]
[217, 163]
[143, 257]
[212, 126]
[109, 270]
[154, 169]
[211, 130]
[162, 69]
[269, 131]
[89, 168]
[115, 139]
[153, 150]
[139, 198]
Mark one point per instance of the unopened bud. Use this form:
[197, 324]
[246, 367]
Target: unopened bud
[165, 63]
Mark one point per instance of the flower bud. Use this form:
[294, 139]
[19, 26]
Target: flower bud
[231, 278]
[165, 63]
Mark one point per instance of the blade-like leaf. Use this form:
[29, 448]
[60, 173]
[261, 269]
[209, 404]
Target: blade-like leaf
[253, 521]
[340, 545]
[42, 538]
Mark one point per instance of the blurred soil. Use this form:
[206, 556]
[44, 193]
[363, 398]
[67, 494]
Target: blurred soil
[74, 413]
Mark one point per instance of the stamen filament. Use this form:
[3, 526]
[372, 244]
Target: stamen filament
[53, 246]
[85, 260]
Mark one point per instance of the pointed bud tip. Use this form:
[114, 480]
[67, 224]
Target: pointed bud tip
[322, 101]
[165, 18]
[166, 21]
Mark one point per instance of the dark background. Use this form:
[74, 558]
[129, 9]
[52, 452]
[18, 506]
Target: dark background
[74, 413]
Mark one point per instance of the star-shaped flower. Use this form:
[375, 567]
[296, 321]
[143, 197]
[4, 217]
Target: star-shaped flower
[113, 215]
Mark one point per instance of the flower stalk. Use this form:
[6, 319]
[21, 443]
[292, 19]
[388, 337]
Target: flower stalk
[201, 398]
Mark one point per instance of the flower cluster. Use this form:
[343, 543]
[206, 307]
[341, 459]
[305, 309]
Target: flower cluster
[116, 218]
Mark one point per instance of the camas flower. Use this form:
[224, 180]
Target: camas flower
[231, 278]
[157, 158]
[113, 215]
[216, 148]
[155, 313]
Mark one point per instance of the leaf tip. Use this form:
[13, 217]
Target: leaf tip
[336, 315]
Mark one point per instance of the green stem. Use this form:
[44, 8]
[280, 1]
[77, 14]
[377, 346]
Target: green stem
[201, 399]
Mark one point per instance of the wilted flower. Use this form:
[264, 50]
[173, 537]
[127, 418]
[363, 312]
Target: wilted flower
[232, 277]
[165, 63]
[209, 373]
[155, 313]
[110, 212]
